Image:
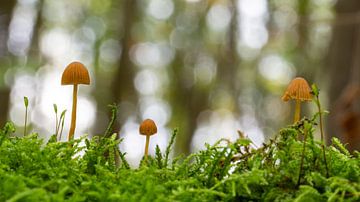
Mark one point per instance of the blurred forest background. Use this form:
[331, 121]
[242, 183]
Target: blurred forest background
[208, 67]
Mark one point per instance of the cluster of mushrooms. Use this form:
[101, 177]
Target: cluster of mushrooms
[76, 73]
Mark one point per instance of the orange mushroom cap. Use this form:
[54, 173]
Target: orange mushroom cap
[298, 89]
[148, 127]
[75, 73]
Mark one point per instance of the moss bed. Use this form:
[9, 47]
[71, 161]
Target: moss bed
[34, 170]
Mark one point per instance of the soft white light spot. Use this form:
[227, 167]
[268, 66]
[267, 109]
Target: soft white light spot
[132, 143]
[151, 54]
[285, 18]
[21, 28]
[253, 8]
[27, 2]
[147, 54]
[254, 35]
[218, 17]
[110, 51]
[24, 85]
[222, 124]
[88, 33]
[161, 9]
[97, 24]
[205, 70]
[275, 109]
[252, 19]
[276, 69]
[156, 109]
[55, 43]
[146, 82]
[17, 113]
[250, 126]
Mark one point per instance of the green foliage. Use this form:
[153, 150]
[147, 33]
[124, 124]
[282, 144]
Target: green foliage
[26, 102]
[32, 170]
[59, 122]
[108, 131]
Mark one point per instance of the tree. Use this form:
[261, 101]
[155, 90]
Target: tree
[6, 10]
[344, 73]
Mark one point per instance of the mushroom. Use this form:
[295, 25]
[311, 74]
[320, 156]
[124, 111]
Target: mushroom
[74, 74]
[300, 91]
[147, 128]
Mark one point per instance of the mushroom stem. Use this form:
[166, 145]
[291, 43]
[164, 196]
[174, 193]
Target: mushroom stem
[297, 111]
[73, 114]
[147, 146]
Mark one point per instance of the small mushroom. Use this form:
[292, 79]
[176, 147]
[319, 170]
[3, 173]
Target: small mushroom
[74, 74]
[300, 91]
[148, 128]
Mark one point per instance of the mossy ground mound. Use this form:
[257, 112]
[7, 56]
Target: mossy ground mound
[31, 170]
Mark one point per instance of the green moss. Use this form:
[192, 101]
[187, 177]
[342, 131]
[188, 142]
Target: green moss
[31, 170]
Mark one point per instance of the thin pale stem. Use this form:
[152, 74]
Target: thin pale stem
[147, 147]
[297, 111]
[73, 114]
[62, 127]
[302, 157]
[322, 136]
[56, 125]
[25, 125]
[321, 124]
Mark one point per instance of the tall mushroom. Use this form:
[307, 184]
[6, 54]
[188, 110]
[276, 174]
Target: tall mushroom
[74, 74]
[300, 91]
[147, 128]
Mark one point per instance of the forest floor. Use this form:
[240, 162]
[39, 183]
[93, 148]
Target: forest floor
[287, 168]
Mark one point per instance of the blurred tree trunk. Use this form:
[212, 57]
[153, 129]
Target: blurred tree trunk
[301, 59]
[344, 65]
[4, 105]
[6, 10]
[228, 61]
[34, 52]
[186, 97]
[122, 87]
[101, 96]
[189, 101]
[303, 8]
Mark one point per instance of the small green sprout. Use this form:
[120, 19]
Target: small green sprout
[59, 122]
[62, 120]
[56, 118]
[316, 92]
[26, 103]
